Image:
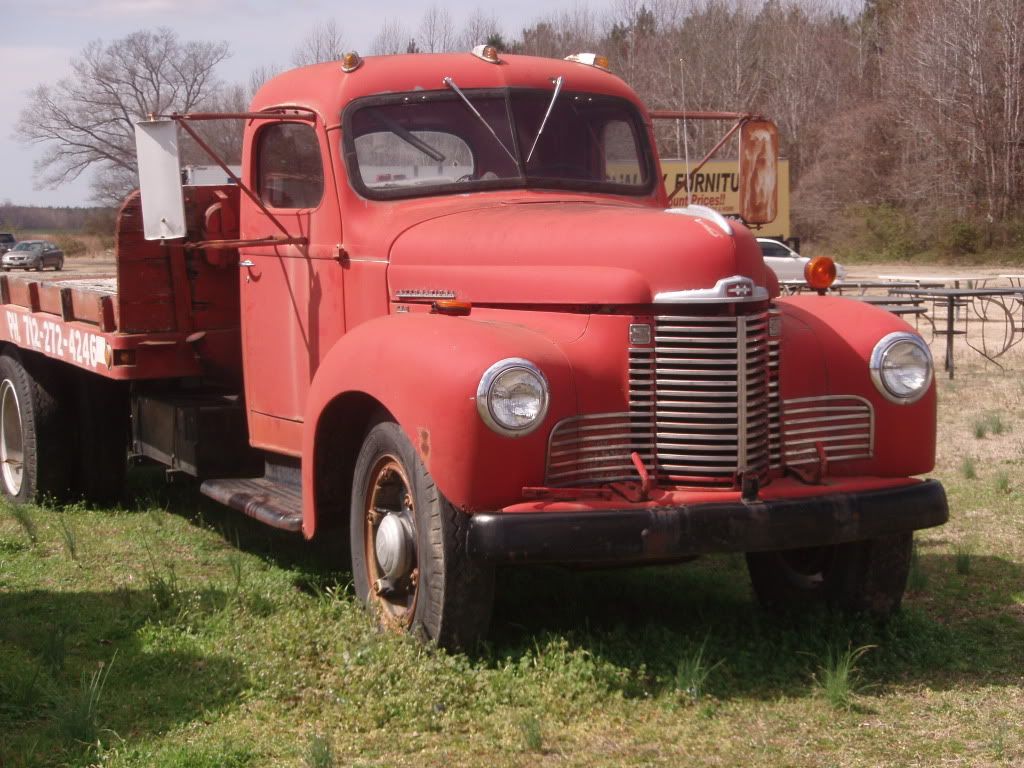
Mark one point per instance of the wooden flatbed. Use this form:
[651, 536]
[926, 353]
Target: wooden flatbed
[163, 311]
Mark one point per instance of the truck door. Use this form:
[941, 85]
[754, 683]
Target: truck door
[291, 294]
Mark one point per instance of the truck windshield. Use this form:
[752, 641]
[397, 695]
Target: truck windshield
[429, 143]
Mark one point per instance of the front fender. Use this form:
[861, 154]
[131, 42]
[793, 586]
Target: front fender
[424, 369]
[826, 349]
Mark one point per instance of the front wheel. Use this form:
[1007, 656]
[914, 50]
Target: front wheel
[59, 265]
[408, 544]
[862, 576]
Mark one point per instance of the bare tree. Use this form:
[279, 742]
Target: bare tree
[437, 31]
[86, 120]
[479, 28]
[392, 38]
[569, 31]
[324, 42]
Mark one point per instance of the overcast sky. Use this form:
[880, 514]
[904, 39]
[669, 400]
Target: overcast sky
[38, 37]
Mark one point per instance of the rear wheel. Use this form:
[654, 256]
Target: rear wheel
[33, 449]
[862, 576]
[60, 264]
[408, 545]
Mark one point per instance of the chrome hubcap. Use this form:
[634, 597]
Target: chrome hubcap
[12, 454]
[395, 547]
[389, 542]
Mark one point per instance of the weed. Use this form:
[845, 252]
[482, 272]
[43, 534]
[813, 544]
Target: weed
[235, 563]
[1003, 481]
[54, 650]
[692, 672]
[69, 538]
[533, 736]
[839, 675]
[22, 691]
[77, 720]
[998, 743]
[319, 753]
[980, 428]
[994, 422]
[917, 579]
[962, 558]
[164, 587]
[24, 518]
[967, 468]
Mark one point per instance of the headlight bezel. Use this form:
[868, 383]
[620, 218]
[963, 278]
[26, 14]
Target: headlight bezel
[883, 348]
[486, 385]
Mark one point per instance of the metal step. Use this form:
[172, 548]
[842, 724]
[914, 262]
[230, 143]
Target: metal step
[275, 504]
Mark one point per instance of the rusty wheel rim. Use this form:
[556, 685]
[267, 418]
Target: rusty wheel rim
[389, 492]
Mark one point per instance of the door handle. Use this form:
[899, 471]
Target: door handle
[247, 263]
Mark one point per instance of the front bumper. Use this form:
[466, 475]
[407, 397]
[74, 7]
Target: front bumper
[664, 534]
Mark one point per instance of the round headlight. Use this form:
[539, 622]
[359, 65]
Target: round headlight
[901, 367]
[512, 397]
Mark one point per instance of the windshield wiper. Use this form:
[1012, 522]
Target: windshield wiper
[408, 137]
[451, 84]
[544, 122]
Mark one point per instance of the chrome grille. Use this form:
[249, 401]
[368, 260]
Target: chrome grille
[843, 425]
[703, 407]
[713, 388]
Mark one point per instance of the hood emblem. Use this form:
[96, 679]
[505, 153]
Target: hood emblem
[729, 289]
[739, 289]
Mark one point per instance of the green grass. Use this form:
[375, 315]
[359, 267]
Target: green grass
[968, 469]
[839, 675]
[1003, 481]
[229, 645]
[692, 673]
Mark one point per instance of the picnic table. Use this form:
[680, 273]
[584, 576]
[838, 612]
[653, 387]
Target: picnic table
[957, 297]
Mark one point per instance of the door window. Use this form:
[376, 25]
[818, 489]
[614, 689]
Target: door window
[290, 173]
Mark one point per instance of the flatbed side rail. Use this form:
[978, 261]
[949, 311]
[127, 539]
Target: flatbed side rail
[74, 321]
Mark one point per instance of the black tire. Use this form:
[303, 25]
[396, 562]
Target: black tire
[59, 265]
[101, 458]
[440, 595]
[34, 449]
[863, 576]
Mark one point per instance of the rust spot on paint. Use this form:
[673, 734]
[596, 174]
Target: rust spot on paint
[424, 444]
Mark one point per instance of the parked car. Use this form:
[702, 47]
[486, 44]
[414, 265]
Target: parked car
[7, 241]
[787, 263]
[33, 254]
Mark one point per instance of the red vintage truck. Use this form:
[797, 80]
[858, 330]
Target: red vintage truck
[430, 317]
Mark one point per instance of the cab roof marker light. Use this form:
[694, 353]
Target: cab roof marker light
[487, 53]
[351, 61]
[590, 59]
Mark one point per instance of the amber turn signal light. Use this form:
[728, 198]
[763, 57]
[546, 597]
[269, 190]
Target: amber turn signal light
[451, 307]
[820, 273]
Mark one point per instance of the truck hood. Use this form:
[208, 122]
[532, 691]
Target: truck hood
[569, 253]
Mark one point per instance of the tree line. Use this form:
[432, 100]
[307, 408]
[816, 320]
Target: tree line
[904, 118]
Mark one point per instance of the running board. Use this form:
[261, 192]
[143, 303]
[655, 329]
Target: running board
[274, 504]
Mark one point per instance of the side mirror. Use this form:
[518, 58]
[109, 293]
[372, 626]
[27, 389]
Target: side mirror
[163, 203]
[759, 171]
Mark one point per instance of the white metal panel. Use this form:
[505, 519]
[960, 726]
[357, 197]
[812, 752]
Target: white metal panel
[163, 204]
